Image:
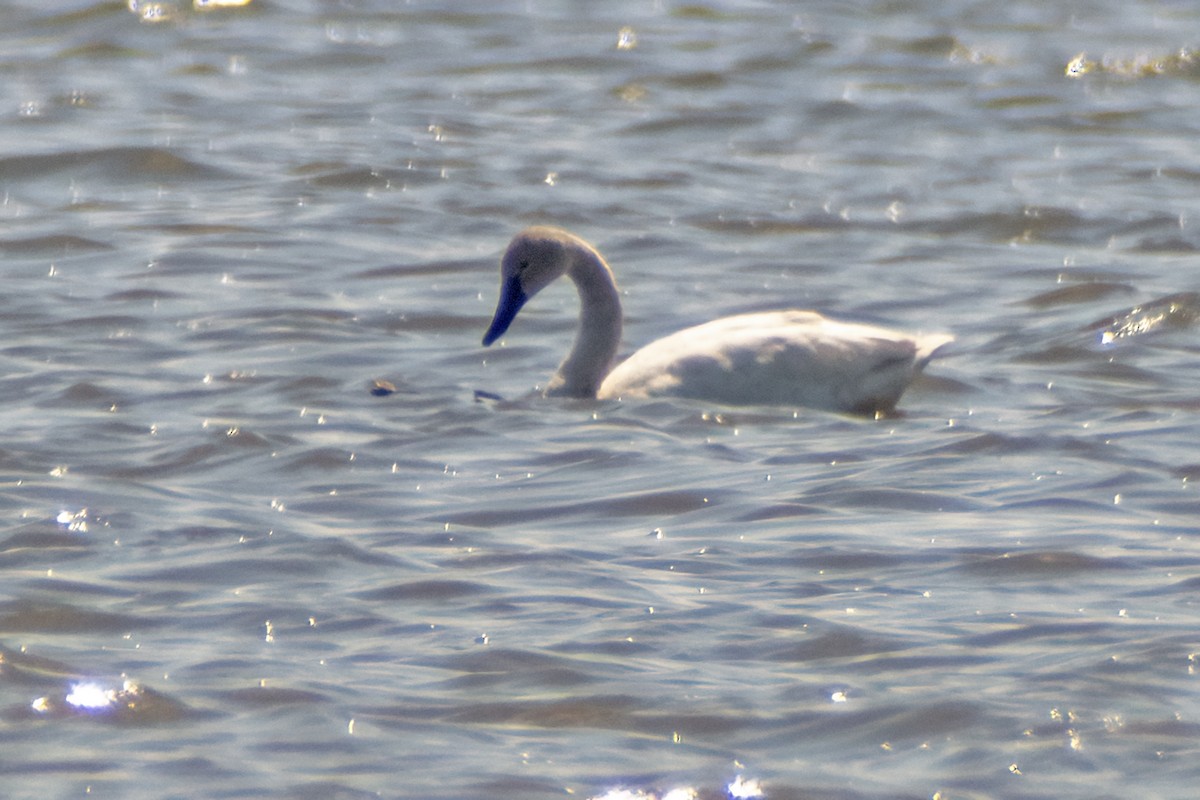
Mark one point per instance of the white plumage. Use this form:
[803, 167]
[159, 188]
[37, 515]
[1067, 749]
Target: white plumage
[791, 357]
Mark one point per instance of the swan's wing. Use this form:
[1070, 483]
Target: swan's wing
[789, 357]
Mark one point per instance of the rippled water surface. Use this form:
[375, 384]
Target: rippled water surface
[229, 570]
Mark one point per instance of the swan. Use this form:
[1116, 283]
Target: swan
[789, 357]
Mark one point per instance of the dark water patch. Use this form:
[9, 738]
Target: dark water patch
[192, 768]
[586, 456]
[334, 550]
[891, 664]
[76, 768]
[102, 50]
[89, 15]
[870, 561]
[1176, 172]
[525, 601]
[199, 229]
[701, 80]
[434, 591]
[235, 437]
[87, 395]
[1047, 224]
[512, 668]
[837, 111]
[784, 56]
[656, 181]
[611, 648]
[1022, 100]
[110, 164]
[1173, 728]
[37, 538]
[835, 496]
[335, 60]
[820, 457]
[796, 623]
[227, 665]
[1187, 472]
[1182, 509]
[596, 711]
[837, 642]
[171, 461]
[362, 179]
[54, 245]
[579, 64]
[768, 226]
[1164, 244]
[529, 787]
[218, 571]
[329, 790]
[63, 589]
[1037, 565]
[605, 712]
[1078, 293]
[780, 511]
[104, 323]
[396, 271]
[321, 459]
[142, 296]
[669, 503]
[279, 324]
[1062, 505]
[271, 697]
[685, 122]
[1016, 631]
[916, 723]
[995, 443]
[941, 46]
[682, 565]
[657, 503]
[201, 534]
[25, 668]
[426, 322]
[990, 442]
[542, 559]
[34, 558]
[309, 383]
[31, 616]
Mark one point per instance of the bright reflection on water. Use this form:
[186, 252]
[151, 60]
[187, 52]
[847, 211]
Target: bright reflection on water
[739, 789]
[87, 697]
[91, 697]
[745, 789]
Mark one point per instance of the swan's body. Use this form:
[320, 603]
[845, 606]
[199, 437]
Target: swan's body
[773, 357]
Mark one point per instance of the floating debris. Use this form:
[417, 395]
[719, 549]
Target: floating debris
[382, 388]
[1171, 313]
[1183, 62]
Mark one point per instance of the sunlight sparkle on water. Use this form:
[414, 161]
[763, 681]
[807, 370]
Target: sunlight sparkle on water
[739, 789]
[74, 521]
[90, 696]
[744, 789]
[627, 794]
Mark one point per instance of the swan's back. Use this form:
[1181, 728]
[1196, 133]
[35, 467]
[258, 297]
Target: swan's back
[782, 357]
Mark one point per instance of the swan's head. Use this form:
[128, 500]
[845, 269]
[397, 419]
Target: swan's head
[535, 258]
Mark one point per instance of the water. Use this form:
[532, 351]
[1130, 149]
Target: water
[230, 571]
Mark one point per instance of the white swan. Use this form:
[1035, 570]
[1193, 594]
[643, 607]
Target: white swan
[773, 357]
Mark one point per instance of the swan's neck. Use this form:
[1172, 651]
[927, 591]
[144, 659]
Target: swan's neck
[599, 334]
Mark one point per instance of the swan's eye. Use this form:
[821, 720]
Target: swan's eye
[522, 266]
